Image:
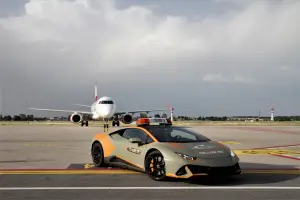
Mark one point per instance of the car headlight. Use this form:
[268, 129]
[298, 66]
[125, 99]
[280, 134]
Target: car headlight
[232, 153]
[186, 157]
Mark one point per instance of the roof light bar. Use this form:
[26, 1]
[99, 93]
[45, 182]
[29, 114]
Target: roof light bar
[153, 121]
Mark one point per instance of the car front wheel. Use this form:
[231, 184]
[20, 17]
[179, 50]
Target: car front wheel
[155, 166]
[97, 154]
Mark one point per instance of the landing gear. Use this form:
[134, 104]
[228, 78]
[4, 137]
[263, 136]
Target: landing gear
[84, 123]
[105, 125]
[115, 123]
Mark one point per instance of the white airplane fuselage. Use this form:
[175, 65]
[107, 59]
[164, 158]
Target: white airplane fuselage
[104, 107]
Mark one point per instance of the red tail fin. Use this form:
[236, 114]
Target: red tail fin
[169, 107]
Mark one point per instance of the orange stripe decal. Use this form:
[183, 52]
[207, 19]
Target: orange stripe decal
[131, 163]
[176, 145]
[106, 143]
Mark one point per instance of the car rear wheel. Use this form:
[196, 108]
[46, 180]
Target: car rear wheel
[155, 166]
[97, 154]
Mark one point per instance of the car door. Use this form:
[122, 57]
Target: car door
[134, 152]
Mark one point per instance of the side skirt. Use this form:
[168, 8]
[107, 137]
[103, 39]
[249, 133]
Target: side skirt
[114, 161]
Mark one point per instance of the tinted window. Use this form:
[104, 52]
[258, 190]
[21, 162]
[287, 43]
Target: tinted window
[137, 133]
[106, 102]
[175, 134]
[149, 140]
[119, 132]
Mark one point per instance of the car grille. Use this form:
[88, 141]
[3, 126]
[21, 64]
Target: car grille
[196, 169]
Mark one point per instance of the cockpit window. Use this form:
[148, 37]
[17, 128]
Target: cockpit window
[106, 102]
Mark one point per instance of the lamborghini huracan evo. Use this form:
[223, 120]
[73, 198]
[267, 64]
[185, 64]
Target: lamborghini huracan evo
[163, 150]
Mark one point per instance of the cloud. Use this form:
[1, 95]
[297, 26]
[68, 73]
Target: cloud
[220, 78]
[215, 78]
[74, 43]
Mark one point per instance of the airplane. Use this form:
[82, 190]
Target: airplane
[102, 108]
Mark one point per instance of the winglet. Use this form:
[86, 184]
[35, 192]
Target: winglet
[29, 108]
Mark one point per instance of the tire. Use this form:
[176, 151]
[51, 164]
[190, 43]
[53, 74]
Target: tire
[113, 123]
[97, 155]
[118, 123]
[157, 174]
[87, 123]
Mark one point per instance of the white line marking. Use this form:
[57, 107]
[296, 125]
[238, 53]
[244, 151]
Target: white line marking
[152, 188]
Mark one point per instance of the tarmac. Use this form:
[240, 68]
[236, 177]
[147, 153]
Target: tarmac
[54, 162]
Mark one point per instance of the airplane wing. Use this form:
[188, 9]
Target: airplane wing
[56, 110]
[81, 105]
[140, 111]
[65, 111]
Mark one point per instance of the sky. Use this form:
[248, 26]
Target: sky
[205, 58]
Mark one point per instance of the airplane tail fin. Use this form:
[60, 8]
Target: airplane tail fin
[169, 107]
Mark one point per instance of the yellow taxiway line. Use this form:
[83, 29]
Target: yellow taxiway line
[66, 172]
[110, 172]
[275, 171]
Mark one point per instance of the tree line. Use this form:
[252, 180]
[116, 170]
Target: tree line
[24, 117]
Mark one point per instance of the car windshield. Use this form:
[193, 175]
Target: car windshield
[175, 134]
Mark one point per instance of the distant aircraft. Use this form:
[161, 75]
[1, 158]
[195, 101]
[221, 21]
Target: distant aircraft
[103, 108]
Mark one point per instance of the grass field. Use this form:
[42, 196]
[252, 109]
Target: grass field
[196, 123]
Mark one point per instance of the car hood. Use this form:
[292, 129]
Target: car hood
[209, 149]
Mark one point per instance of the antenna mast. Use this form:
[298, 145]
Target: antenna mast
[1, 102]
[272, 113]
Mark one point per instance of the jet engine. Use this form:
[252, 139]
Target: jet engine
[76, 118]
[127, 118]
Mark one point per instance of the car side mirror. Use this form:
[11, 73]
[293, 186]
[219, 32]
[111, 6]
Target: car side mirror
[136, 140]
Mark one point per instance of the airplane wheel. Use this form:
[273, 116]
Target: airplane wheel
[82, 123]
[97, 154]
[155, 166]
[118, 123]
[113, 123]
[87, 123]
[105, 126]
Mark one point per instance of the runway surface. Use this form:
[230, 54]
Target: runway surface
[54, 162]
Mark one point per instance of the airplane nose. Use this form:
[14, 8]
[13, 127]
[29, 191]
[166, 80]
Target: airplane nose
[105, 112]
